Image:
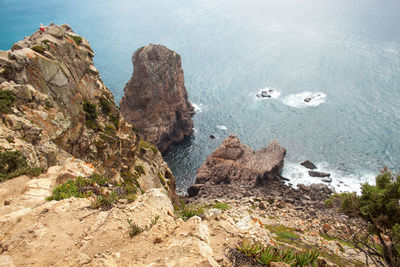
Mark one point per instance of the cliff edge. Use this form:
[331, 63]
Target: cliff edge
[55, 106]
[155, 99]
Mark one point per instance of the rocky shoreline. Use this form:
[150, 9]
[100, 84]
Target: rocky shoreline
[103, 196]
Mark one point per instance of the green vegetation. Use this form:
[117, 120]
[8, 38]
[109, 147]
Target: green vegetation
[135, 129]
[105, 106]
[187, 211]
[378, 207]
[90, 115]
[162, 180]
[48, 104]
[284, 234]
[72, 188]
[140, 169]
[221, 206]
[265, 254]
[97, 186]
[39, 49]
[136, 229]
[77, 39]
[146, 145]
[7, 99]
[10, 139]
[114, 119]
[104, 202]
[13, 164]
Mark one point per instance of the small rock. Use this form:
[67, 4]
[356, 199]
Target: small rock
[326, 227]
[318, 174]
[16, 46]
[83, 258]
[212, 136]
[309, 165]
[280, 204]
[307, 99]
[262, 206]
[326, 180]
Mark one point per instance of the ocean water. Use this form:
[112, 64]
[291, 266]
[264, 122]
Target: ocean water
[343, 53]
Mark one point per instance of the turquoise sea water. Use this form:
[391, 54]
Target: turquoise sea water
[348, 51]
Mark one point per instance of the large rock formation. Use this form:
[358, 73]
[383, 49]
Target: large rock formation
[155, 99]
[53, 105]
[233, 160]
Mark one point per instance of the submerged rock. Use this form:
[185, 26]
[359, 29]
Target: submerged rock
[155, 99]
[233, 160]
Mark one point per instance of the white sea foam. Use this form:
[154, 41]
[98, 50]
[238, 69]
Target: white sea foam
[297, 100]
[273, 93]
[298, 174]
[222, 127]
[198, 107]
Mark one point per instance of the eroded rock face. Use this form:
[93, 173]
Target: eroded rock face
[236, 161]
[62, 108]
[155, 99]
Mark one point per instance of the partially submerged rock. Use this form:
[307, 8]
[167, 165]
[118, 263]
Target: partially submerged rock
[233, 160]
[318, 174]
[155, 99]
[308, 164]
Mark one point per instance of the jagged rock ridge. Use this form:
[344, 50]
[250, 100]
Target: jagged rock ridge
[233, 160]
[155, 99]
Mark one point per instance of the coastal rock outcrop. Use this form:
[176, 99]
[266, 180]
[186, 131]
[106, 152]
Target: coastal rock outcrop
[54, 106]
[233, 160]
[155, 99]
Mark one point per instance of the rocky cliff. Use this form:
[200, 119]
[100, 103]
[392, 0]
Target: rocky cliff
[155, 99]
[57, 114]
[54, 106]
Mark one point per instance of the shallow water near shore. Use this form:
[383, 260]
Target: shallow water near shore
[347, 51]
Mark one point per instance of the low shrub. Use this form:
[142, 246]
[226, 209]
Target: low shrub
[266, 254]
[134, 228]
[7, 99]
[39, 49]
[146, 145]
[77, 39]
[72, 188]
[90, 115]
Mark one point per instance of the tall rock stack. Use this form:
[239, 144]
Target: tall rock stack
[155, 99]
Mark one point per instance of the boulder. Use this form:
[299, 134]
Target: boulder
[155, 99]
[318, 174]
[56, 31]
[194, 189]
[233, 160]
[309, 165]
